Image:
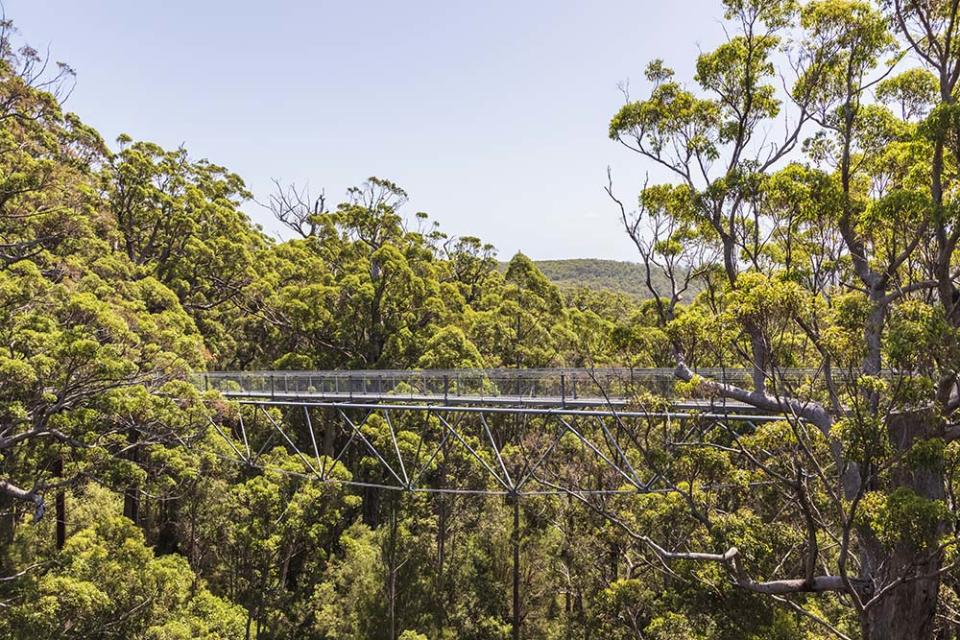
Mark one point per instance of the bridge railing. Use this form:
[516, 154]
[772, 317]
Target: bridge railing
[565, 384]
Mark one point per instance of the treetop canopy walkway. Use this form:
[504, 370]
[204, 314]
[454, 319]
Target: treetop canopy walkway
[584, 434]
[602, 390]
[524, 429]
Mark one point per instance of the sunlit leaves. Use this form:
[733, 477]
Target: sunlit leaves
[108, 578]
[738, 72]
[917, 332]
[912, 92]
[670, 115]
[903, 517]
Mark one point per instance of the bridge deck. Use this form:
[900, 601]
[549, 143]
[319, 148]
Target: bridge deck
[609, 389]
[477, 415]
[473, 400]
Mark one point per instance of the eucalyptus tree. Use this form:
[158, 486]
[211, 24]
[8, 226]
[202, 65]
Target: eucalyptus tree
[817, 216]
[93, 349]
[179, 220]
[380, 294]
[43, 153]
[108, 583]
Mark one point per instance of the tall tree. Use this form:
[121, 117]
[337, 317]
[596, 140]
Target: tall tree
[837, 254]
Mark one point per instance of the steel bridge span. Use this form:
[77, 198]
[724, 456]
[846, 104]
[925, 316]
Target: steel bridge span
[608, 388]
[584, 433]
[522, 429]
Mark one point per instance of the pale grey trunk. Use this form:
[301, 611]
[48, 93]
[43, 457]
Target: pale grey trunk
[908, 611]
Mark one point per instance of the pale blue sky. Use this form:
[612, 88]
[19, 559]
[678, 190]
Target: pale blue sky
[492, 115]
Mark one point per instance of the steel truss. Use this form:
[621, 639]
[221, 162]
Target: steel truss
[512, 442]
[525, 428]
[470, 450]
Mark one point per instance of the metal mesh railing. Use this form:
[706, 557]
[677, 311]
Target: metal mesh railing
[450, 384]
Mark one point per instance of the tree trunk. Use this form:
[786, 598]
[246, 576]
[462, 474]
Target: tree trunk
[907, 614]
[168, 536]
[516, 567]
[8, 521]
[8, 516]
[908, 611]
[61, 505]
[131, 495]
[392, 575]
[329, 433]
[371, 506]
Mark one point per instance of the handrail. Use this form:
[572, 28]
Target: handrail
[559, 385]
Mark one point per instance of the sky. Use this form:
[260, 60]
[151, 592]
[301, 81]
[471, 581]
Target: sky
[491, 115]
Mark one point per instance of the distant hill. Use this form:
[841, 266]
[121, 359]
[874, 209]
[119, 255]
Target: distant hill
[600, 275]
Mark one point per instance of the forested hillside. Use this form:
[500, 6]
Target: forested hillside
[602, 275]
[807, 234]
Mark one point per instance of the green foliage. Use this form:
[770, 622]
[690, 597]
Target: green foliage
[107, 581]
[912, 91]
[123, 271]
[903, 517]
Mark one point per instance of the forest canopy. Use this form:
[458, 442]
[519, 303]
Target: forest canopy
[805, 220]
